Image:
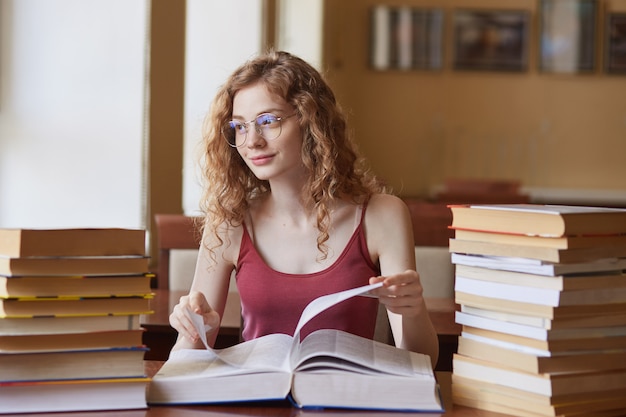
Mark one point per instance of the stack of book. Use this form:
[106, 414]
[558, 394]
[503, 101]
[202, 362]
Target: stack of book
[70, 302]
[542, 296]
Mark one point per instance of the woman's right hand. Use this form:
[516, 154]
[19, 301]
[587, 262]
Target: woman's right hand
[197, 303]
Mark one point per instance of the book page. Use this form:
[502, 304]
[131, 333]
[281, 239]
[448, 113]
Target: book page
[325, 302]
[197, 363]
[320, 304]
[273, 351]
[329, 348]
[265, 353]
[201, 328]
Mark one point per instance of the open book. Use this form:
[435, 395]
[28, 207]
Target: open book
[327, 369]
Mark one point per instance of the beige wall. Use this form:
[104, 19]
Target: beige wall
[419, 128]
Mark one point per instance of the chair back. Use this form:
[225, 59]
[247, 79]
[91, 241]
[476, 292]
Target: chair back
[175, 232]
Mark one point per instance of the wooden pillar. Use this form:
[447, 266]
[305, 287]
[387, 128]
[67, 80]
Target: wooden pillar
[165, 107]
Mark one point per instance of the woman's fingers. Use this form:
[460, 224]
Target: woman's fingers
[181, 320]
[401, 293]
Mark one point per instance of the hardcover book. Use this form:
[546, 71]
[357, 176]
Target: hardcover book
[73, 395]
[68, 324]
[565, 242]
[528, 360]
[547, 384]
[327, 369]
[556, 255]
[21, 243]
[564, 282]
[539, 220]
[75, 285]
[538, 267]
[72, 364]
[77, 265]
[70, 341]
[542, 296]
[510, 401]
[38, 307]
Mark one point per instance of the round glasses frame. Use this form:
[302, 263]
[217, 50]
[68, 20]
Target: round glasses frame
[267, 125]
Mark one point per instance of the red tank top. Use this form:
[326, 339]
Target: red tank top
[273, 301]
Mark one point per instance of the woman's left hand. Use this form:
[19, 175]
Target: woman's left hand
[401, 293]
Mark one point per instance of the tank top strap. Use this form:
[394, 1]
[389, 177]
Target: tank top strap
[360, 214]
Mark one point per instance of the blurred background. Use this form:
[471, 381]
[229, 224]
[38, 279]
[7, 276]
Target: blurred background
[102, 101]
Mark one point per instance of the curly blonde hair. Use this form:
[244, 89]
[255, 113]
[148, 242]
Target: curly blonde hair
[335, 170]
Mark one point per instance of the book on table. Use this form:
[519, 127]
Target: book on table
[536, 266]
[564, 282]
[70, 341]
[116, 362]
[575, 255]
[543, 296]
[70, 332]
[36, 307]
[75, 285]
[537, 361]
[539, 220]
[538, 333]
[51, 377]
[74, 265]
[502, 399]
[327, 369]
[28, 325]
[542, 302]
[537, 310]
[546, 384]
[51, 396]
[562, 242]
[592, 320]
[21, 243]
[549, 345]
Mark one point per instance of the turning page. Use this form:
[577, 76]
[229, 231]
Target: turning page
[265, 352]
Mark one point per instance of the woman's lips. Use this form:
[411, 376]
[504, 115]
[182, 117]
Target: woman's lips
[261, 159]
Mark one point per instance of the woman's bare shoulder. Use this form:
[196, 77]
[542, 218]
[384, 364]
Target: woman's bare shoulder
[386, 204]
[386, 213]
[388, 224]
[225, 241]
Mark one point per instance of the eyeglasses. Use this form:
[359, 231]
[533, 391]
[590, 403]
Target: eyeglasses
[267, 125]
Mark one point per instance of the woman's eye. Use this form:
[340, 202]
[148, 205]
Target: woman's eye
[239, 127]
[266, 120]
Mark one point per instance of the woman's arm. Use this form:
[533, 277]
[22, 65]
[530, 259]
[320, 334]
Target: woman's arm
[390, 239]
[207, 295]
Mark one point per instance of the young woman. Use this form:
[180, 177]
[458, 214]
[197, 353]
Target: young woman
[290, 208]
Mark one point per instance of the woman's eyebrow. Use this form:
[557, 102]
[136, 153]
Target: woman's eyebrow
[272, 110]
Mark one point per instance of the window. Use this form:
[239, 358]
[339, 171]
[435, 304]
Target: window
[72, 113]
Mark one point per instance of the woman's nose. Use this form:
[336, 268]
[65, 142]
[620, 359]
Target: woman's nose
[255, 138]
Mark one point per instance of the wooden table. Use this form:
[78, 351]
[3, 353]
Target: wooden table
[279, 409]
[441, 311]
[160, 336]
[285, 409]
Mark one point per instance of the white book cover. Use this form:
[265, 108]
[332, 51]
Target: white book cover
[534, 266]
[536, 332]
[381, 28]
[551, 209]
[541, 296]
[526, 320]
